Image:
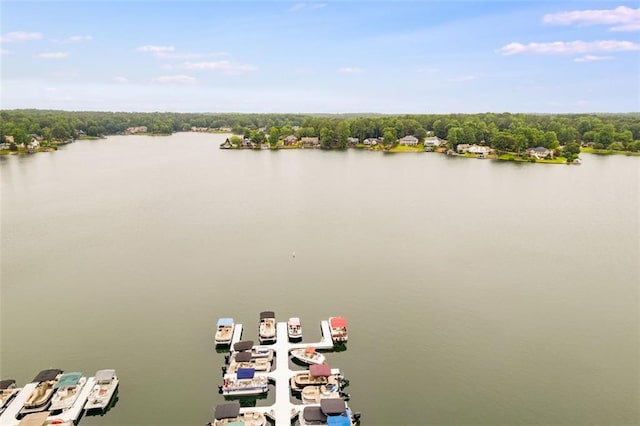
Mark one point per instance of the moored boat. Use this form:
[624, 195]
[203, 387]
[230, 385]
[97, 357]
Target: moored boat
[244, 382]
[106, 383]
[67, 390]
[8, 391]
[317, 375]
[338, 327]
[40, 398]
[244, 360]
[308, 355]
[267, 328]
[247, 346]
[294, 329]
[229, 414]
[313, 394]
[224, 331]
[330, 411]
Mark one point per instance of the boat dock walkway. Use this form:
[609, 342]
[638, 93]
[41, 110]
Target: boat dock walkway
[8, 417]
[283, 410]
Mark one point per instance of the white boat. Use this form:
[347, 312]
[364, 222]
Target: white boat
[317, 375]
[294, 328]
[338, 327]
[8, 391]
[256, 352]
[244, 360]
[308, 355]
[40, 399]
[230, 414]
[330, 411]
[244, 382]
[313, 394]
[224, 331]
[102, 392]
[267, 328]
[67, 390]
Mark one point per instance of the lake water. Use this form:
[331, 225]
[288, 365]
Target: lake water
[477, 292]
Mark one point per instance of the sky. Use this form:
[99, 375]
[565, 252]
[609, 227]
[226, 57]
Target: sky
[341, 56]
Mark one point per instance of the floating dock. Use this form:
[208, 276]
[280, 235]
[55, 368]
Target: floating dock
[283, 410]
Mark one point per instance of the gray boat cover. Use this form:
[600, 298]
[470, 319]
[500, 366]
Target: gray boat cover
[267, 314]
[313, 414]
[333, 406]
[229, 410]
[243, 345]
[6, 384]
[46, 375]
[105, 376]
[243, 357]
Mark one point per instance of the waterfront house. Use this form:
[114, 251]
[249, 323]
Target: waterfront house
[34, 144]
[371, 141]
[290, 140]
[431, 142]
[353, 141]
[310, 142]
[8, 139]
[408, 141]
[137, 129]
[479, 150]
[462, 148]
[540, 152]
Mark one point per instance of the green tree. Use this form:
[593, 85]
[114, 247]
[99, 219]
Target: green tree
[274, 135]
[389, 137]
[326, 138]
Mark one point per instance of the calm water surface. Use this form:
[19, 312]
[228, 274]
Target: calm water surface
[477, 292]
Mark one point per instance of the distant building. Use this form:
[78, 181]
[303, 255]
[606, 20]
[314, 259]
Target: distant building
[540, 152]
[310, 142]
[408, 141]
[138, 129]
[371, 141]
[290, 140]
[432, 142]
[353, 141]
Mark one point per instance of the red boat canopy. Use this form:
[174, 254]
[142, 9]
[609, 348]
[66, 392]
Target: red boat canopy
[320, 370]
[338, 322]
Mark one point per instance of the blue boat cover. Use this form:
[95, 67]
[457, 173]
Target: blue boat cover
[68, 380]
[338, 421]
[245, 373]
[222, 322]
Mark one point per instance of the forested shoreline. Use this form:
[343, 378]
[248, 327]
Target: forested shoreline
[502, 132]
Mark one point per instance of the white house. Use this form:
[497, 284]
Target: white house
[539, 152]
[432, 142]
[408, 141]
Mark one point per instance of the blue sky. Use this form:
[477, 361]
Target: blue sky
[330, 56]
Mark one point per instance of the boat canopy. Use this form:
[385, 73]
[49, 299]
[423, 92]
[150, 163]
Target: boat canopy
[243, 345]
[105, 376]
[68, 380]
[225, 322]
[46, 375]
[333, 406]
[229, 410]
[34, 419]
[245, 373]
[338, 322]
[267, 314]
[338, 421]
[320, 370]
[243, 357]
[294, 321]
[313, 414]
[6, 384]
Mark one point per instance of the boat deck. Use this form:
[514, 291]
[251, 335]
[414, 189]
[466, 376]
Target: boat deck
[283, 410]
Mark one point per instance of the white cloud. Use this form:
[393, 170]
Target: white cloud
[120, 80]
[461, 79]
[5, 52]
[350, 70]
[175, 79]
[622, 18]
[74, 39]
[592, 58]
[224, 66]
[156, 50]
[53, 55]
[169, 55]
[307, 6]
[20, 36]
[569, 47]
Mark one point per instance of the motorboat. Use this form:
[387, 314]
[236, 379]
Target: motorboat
[8, 391]
[224, 331]
[338, 327]
[244, 360]
[330, 411]
[40, 398]
[294, 329]
[244, 382]
[43, 419]
[267, 328]
[317, 375]
[256, 352]
[308, 355]
[67, 390]
[313, 394]
[106, 383]
[231, 414]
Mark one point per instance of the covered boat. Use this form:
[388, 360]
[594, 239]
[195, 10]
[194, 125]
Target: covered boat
[102, 392]
[294, 329]
[244, 382]
[224, 331]
[267, 327]
[40, 398]
[338, 327]
[66, 391]
[331, 412]
[229, 414]
[313, 394]
[8, 391]
[256, 352]
[245, 360]
[318, 374]
[308, 355]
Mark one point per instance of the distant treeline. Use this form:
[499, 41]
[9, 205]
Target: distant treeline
[500, 131]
